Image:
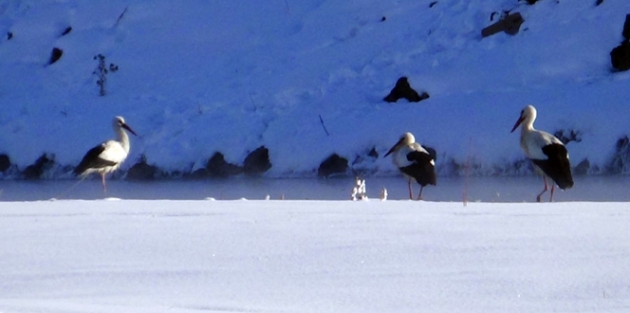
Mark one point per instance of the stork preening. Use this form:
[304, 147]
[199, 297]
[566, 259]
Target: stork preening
[547, 153]
[414, 161]
[107, 157]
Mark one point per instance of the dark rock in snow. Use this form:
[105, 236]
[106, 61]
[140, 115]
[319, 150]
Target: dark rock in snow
[55, 55]
[582, 167]
[219, 168]
[620, 162]
[404, 90]
[373, 153]
[334, 164]
[197, 174]
[620, 57]
[142, 171]
[35, 170]
[257, 162]
[510, 24]
[626, 28]
[5, 162]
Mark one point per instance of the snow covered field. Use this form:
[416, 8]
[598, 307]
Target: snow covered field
[313, 256]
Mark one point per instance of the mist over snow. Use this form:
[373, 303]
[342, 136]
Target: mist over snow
[199, 77]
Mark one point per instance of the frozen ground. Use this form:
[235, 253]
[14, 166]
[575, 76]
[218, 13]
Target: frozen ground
[313, 256]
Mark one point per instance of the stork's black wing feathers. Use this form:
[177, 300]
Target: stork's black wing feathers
[92, 160]
[557, 165]
[422, 169]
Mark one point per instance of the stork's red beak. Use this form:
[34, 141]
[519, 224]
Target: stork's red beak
[394, 147]
[520, 120]
[390, 151]
[129, 129]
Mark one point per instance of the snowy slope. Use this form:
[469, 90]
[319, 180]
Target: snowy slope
[197, 77]
[313, 256]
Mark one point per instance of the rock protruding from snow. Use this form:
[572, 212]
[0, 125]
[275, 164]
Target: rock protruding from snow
[620, 56]
[510, 24]
[55, 55]
[334, 164]
[257, 162]
[217, 167]
[142, 171]
[404, 90]
[620, 162]
[37, 169]
[626, 28]
[5, 162]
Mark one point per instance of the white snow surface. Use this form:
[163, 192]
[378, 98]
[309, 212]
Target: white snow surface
[313, 256]
[197, 77]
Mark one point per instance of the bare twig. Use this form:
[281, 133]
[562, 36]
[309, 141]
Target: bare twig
[251, 98]
[466, 171]
[120, 17]
[324, 126]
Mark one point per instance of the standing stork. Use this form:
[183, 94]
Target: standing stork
[107, 157]
[414, 161]
[548, 153]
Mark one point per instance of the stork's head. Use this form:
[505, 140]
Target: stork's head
[406, 139]
[119, 122]
[528, 115]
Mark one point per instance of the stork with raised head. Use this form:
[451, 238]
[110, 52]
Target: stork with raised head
[107, 157]
[548, 153]
[414, 161]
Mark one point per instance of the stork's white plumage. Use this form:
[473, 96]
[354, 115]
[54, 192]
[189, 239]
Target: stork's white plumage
[414, 161]
[548, 153]
[107, 157]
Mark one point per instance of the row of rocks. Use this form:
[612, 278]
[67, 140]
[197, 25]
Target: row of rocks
[256, 163]
[217, 167]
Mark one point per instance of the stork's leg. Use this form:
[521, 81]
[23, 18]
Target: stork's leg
[553, 187]
[420, 194]
[410, 191]
[103, 180]
[544, 190]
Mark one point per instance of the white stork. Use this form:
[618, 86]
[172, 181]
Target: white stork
[548, 153]
[414, 161]
[107, 157]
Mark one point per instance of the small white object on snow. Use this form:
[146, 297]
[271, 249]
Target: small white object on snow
[359, 191]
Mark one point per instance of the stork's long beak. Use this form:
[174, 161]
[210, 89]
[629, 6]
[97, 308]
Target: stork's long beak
[125, 126]
[394, 147]
[520, 120]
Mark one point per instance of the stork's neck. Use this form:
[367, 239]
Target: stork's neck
[123, 138]
[528, 125]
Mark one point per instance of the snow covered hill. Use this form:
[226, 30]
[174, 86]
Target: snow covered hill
[306, 79]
